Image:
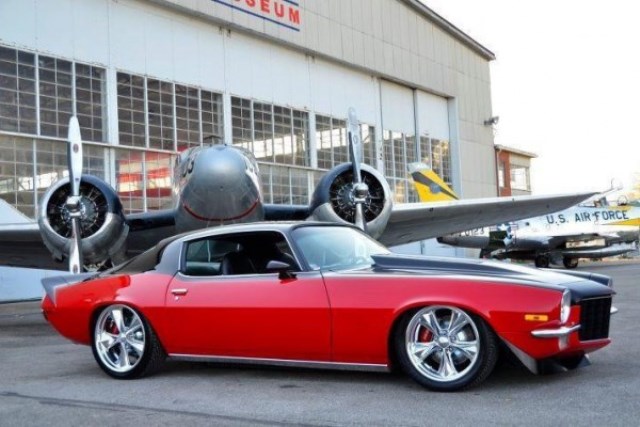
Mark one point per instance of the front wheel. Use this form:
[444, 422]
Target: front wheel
[542, 261]
[445, 348]
[124, 345]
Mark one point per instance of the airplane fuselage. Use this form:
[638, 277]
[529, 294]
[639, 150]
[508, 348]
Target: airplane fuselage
[216, 185]
[583, 220]
[577, 232]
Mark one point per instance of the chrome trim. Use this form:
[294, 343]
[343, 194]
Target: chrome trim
[613, 311]
[368, 367]
[563, 331]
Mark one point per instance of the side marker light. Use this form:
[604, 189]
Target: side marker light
[536, 317]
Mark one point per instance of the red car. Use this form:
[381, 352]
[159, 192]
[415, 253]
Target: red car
[326, 295]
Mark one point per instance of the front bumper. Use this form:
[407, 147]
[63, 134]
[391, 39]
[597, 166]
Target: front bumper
[560, 332]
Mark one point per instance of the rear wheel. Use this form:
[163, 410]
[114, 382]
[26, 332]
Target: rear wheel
[124, 345]
[445, 348]
[570, 262]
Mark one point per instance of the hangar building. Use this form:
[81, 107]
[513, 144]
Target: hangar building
[148, 78]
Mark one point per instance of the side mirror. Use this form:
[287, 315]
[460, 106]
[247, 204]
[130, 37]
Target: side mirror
[283, 269]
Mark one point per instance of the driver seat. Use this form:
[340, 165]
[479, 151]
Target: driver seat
[237, 263]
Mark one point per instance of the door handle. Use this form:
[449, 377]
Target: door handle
[179, 292]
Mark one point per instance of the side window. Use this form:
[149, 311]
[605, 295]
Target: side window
[204, 257]
[245, 253]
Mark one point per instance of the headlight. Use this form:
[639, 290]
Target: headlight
[565, 306]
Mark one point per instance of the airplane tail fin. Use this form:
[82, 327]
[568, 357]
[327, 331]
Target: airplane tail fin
[429, 186]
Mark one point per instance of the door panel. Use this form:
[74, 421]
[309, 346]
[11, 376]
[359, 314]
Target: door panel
[259, 316]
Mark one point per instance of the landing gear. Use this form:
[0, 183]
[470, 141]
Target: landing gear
[542, 261]
[570, 262]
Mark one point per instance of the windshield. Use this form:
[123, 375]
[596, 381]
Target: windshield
[327, 247]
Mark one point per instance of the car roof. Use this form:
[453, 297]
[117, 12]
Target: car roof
[282, 226]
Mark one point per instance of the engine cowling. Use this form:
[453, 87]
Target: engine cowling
[333, 201]
[103, 227]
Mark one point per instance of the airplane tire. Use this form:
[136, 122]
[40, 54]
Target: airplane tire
[542, 261]
[570, 262]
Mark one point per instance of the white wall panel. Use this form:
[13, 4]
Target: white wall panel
[433, 115]
[187, 53]
[248, 67]
[290, 78]
[18, 22]
[266, 72]
[91, 31]
[335, 89]
[159, 46]
[127, 32]
[211, 59]
[54, 27]
[397, 108]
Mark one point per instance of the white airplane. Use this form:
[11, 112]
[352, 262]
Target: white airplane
[84, 223]
[593, 230]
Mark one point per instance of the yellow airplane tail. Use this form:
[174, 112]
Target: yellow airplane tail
[429, 186]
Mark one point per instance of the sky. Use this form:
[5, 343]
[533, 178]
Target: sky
[565, 84]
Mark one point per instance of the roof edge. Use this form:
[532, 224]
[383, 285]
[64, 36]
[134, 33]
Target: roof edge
[451, 29]
[514, 150]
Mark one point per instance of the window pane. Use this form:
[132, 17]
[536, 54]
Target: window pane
[160, 112]
[16, 173]
[301, 138]
[339, 142]
[263, 131]
[56, 96]
[129, 179]
[212, 130]
[90, 101]
[187, 117]
[131, 114]
[241, 123]
[323, 142]
[159, 174]
[17, 91]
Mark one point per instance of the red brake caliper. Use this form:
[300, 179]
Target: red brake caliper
[425, 335]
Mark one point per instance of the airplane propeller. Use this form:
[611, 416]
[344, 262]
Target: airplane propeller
[360, 190]
[74, 201]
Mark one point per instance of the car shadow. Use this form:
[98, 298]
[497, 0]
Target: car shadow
[506, 374]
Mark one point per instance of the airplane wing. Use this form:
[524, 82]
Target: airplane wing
[22, 244]
[411, 222]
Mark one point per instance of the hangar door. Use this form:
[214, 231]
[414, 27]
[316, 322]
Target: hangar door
[398, 138]
[433, 128]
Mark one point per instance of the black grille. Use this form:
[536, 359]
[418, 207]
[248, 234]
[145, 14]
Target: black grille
[594, 318]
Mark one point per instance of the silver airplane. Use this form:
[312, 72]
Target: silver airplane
[80, 220]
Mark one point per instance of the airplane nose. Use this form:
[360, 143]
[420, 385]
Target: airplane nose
[221, 170]
[221, 188]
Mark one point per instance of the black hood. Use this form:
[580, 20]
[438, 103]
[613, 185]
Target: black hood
[582, 284]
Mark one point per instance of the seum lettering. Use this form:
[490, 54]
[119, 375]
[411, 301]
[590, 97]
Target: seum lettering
[285, 13]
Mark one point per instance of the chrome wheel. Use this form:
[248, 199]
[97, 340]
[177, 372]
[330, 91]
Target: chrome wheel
[119, 339]
[442, 343]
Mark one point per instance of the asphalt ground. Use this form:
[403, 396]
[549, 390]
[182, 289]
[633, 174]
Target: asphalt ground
[46, 380]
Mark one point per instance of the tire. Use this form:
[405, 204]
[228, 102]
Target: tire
[120, 330]
[570, 263]
[542, 261]
[444, 348]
